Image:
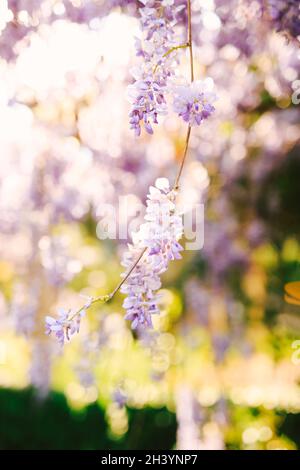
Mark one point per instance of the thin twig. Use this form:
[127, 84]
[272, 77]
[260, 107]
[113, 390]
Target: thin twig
[107, 297]
[172, 49]
[128, 274]
[188, 134]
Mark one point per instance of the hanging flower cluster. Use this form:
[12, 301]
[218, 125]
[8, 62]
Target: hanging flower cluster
[193, 102]
[66, 324]
[147, 94]
[159, 236]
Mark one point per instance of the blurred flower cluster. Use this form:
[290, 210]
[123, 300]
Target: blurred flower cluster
[221, 346]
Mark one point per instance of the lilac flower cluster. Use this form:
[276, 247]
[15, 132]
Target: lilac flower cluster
[159, 236]
[65, 326]
[193, 102]
[147, 94]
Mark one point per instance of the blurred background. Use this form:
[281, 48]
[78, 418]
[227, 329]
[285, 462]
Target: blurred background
[222, 368]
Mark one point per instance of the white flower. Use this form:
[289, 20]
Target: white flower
[194, 102]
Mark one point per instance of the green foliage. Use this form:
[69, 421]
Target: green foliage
[27, 422]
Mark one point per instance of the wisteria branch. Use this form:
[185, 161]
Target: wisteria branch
[188, 45]
[193, 105]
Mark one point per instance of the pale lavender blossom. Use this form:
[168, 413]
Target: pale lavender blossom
[159, 235]
[148, 93]
[194, 102]
[140, 288]
[65, 325]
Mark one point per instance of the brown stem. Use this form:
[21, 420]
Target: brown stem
[190, 38]
[128, 274]
[186, 146]
[188, 134]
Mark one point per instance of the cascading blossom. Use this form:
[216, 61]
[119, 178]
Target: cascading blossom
[159, 236]
[285, 15]
[147, 94]
[66, 324]
[194, 102]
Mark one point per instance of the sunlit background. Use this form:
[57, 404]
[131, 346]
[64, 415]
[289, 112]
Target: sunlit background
[222, 368]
